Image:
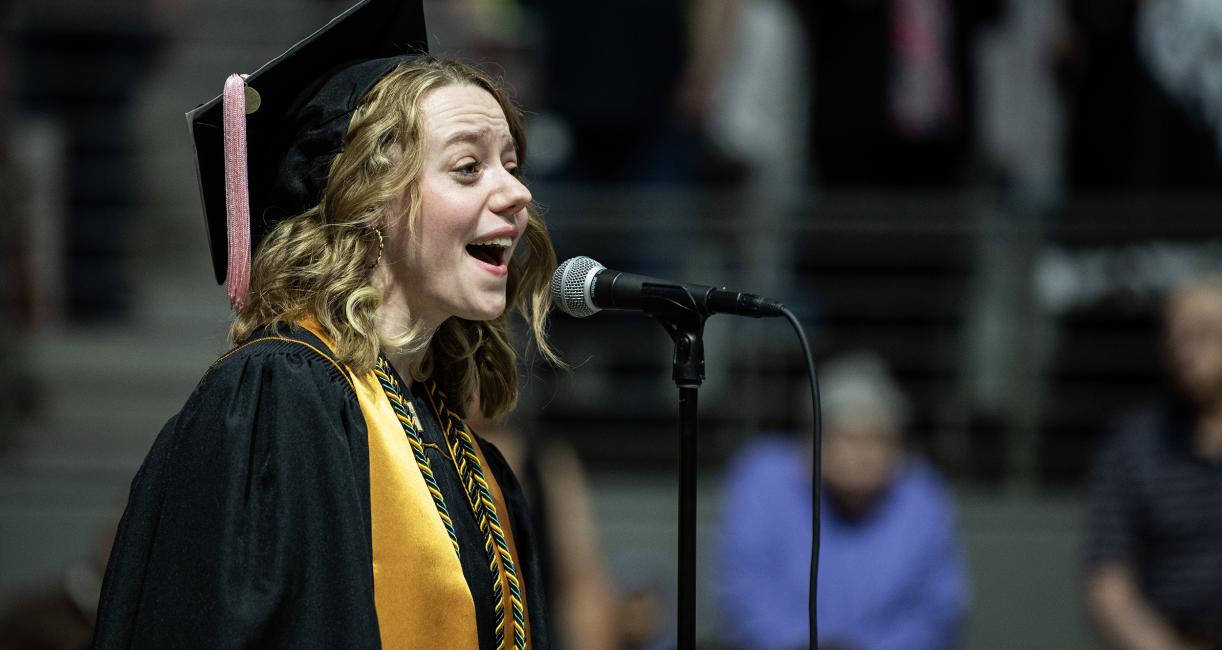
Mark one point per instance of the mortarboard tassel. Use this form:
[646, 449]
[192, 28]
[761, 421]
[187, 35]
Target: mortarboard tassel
[237, 192]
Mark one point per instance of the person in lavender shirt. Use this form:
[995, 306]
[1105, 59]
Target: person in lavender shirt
[891, 568]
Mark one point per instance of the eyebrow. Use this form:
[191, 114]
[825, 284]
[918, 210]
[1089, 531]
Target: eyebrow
[475, 136]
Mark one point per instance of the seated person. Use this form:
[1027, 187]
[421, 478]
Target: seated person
[1154, 551]
[891, 572]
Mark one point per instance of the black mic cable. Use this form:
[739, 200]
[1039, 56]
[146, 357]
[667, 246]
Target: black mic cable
[816, 474]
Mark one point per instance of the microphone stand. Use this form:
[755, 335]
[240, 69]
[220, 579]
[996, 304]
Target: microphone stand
[683, 319]
[682, 315]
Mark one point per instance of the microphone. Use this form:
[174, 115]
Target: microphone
[582, 287]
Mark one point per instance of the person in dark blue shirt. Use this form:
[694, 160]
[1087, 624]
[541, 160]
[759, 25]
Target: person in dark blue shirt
[1154, 551]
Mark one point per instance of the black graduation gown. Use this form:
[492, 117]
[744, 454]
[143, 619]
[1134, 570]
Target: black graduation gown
[248, 524]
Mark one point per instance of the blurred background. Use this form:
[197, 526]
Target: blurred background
[992, 197]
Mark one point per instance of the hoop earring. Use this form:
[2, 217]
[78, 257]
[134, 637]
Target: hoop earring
[381, 247]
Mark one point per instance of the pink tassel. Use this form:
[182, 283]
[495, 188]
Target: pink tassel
[237, 192]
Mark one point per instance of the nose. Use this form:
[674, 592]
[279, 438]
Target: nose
[511, 195]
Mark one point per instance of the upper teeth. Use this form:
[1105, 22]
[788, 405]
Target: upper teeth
[503, 242]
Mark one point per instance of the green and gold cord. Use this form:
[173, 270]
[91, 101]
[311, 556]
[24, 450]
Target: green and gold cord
[397, 402]
[500, 559]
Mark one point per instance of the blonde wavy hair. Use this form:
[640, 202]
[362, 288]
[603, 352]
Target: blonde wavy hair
[318, 264]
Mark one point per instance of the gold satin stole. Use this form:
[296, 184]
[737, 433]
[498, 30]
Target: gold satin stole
[421, 596]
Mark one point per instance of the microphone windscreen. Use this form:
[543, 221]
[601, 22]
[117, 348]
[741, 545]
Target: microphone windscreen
[572, 285]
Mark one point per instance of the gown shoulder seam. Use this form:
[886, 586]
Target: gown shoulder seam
[340, 369]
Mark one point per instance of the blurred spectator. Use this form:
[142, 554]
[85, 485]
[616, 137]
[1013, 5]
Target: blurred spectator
[579, 595]
[45, 620]
[893, 88]
[1124, 130]
[645, 605]
[627, 84]
[81, 64]
[10, 374]
[1179, 45]
[1154, 580]
[891, 573]
[59, 615]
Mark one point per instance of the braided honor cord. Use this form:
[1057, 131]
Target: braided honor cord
[382, 371]
[500, 559]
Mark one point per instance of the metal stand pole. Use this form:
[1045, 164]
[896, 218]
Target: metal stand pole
[686, 328]
[687, 517]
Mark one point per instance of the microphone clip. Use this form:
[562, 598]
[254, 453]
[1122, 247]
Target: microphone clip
[686, 328]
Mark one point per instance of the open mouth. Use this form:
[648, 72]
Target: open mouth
[494, 252]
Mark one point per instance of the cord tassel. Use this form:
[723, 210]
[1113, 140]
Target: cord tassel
[237, 192]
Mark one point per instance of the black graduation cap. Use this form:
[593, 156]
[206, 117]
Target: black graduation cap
[298, 107]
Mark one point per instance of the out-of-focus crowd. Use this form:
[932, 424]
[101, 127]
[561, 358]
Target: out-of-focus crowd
[785, 97]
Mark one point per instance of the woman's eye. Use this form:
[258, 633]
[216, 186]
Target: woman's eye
[514, 170]
[470, 169]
